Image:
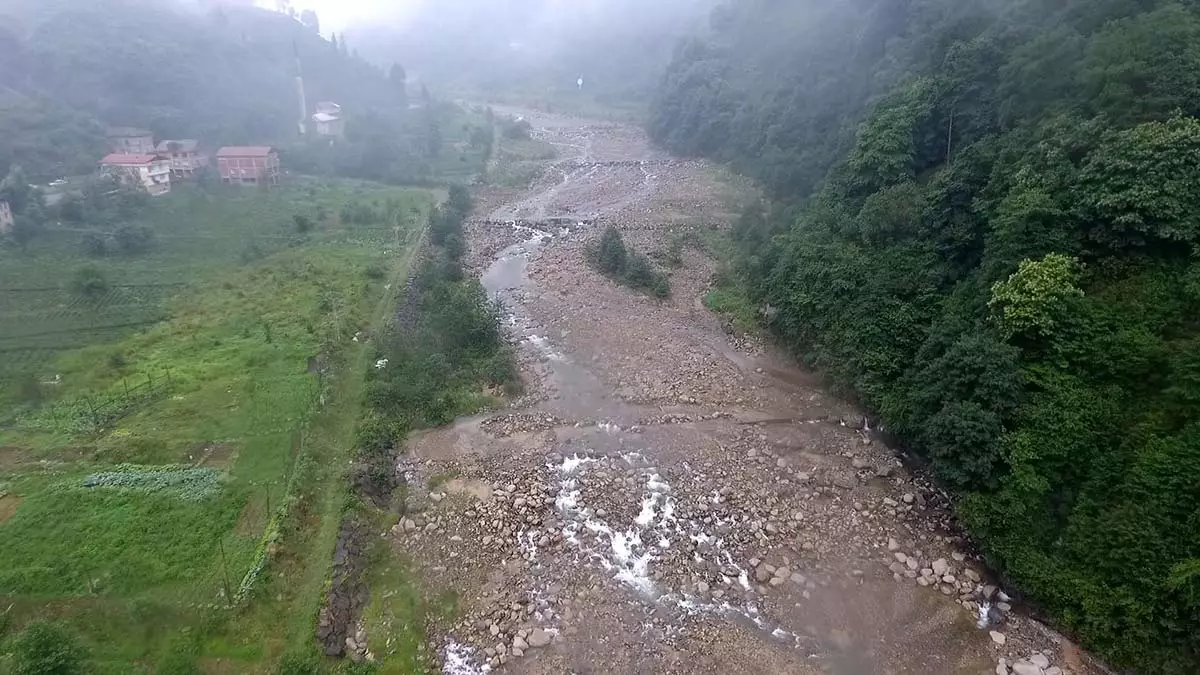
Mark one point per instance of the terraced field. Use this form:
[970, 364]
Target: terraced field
[196, 234]
[187, 420]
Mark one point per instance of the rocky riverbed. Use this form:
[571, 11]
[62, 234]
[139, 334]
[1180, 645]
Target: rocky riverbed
[666, 498]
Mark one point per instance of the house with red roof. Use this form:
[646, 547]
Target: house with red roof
[248, 165]
[149, 171]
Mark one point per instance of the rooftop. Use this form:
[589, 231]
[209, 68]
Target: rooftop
[245, 151]
[128, 159]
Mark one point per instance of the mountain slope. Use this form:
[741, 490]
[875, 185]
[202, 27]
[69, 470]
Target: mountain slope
[991, 241]
[225, 76]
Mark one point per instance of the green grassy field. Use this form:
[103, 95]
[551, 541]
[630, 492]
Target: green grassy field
[459, 161]
[518, 162]
[195, 233]
[180, 467]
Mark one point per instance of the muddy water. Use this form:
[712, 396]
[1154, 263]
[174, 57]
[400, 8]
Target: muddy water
[626, 551]
[578, 392]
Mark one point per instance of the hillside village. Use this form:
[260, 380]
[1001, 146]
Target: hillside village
[137, 160]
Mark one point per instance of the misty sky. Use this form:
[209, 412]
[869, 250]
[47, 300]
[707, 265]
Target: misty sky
[336, 15]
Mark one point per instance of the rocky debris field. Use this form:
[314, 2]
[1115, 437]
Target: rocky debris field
[664, 499]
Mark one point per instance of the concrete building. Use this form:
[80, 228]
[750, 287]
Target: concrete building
[150, 171]
[130, 141]
[328, 119]
[184, 155]
[6, 218]
[248, 165]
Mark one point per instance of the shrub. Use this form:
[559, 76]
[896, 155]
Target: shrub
[626, 266]
[29, 389]
[304, 224]
[611, 257]
[300, 663]
[516, 130]
[95, 245]
[44, 648]
[133, 239]
[90, 283]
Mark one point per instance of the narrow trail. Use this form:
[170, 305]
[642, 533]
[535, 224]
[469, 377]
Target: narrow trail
[664, 500]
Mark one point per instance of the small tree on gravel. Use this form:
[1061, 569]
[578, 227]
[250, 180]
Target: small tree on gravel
[611, 256]
[44, 648]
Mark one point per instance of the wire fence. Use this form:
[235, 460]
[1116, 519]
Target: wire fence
[93, 412]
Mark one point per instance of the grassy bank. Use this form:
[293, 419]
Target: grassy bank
[445, 356]
[519, 161]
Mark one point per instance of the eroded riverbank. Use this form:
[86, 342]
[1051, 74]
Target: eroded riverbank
[662, 500]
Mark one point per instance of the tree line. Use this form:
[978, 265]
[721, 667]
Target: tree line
[446, 345]
[985, 227]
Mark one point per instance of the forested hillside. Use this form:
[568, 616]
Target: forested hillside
[985, 227]
[223, 75]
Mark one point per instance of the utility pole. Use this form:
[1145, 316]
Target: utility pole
[949, 136]
[225, 572]
[302, 124]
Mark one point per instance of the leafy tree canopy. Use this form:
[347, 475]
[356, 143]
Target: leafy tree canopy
[986, 225]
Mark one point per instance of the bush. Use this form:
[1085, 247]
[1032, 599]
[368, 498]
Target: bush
[90, 283]
[516, 130]
[29, 389]
[179, 662]
[641, 275]
[631, 268]
[44, 648]
[300, 663]
[611, 257]
[459, 200]
[359, 214]
[447, 345]
[95, 244]
[133, 239]
[304, 224]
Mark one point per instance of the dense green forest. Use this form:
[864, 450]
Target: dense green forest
[221, 74]
[985, 227]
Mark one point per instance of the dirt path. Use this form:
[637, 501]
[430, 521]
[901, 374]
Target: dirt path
[662, 500]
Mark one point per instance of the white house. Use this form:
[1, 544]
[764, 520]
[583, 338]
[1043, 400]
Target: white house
[328, 119]
[153, 172]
